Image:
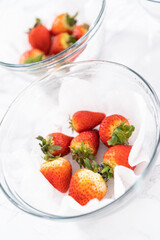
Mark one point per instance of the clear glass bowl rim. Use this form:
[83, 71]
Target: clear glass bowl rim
[50, 60]
[154, 1]
[131, 191]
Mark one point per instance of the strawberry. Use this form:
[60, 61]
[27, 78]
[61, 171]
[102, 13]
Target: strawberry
[55, 144]
[33, 55]
[39, 37]
[115, 129]
[61, 42]
[58, 172]
[63, 23]
[86, 185]
[85, 145]
[80, 30]
[86, 120]
[117, 155]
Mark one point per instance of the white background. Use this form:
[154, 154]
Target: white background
[132, 37]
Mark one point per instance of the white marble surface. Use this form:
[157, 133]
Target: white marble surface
[132, 37]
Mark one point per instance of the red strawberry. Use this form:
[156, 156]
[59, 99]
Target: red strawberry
[58, 172]
[61, 42]
[80, 30]
[85, 145]
[86, 120]
[115, 129]
[55, 144]
[86, 185]
[63, 23]
[33, 55]
[117, 155]
[39, 37]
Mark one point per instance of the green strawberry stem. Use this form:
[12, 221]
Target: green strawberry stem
[79, 154]
[48, 147]
[103, 169]
[71, 21]
[121, 134]
[37, 23]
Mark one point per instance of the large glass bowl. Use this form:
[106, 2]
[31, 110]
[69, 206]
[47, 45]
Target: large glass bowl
[17, 18]
[152, 7]
[33, 113]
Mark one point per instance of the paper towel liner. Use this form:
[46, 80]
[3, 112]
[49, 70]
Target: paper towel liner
[38, 192]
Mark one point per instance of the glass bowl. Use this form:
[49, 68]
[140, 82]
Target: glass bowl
[43, 107]
[152, 7]
[17, 18]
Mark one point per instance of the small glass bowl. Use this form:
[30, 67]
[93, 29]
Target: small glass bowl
[17, 18]
[33, 113]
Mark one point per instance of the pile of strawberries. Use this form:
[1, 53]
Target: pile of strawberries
[64, 32]
[90, 180]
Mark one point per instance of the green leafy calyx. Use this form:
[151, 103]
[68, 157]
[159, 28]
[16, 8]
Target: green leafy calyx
[71, 21]
[81, 153]
[48, 147]
[84, 157]
[121, 134]
[103, 169]
[34, 59]
[106, 171]
[71, 40]
[71, 124]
